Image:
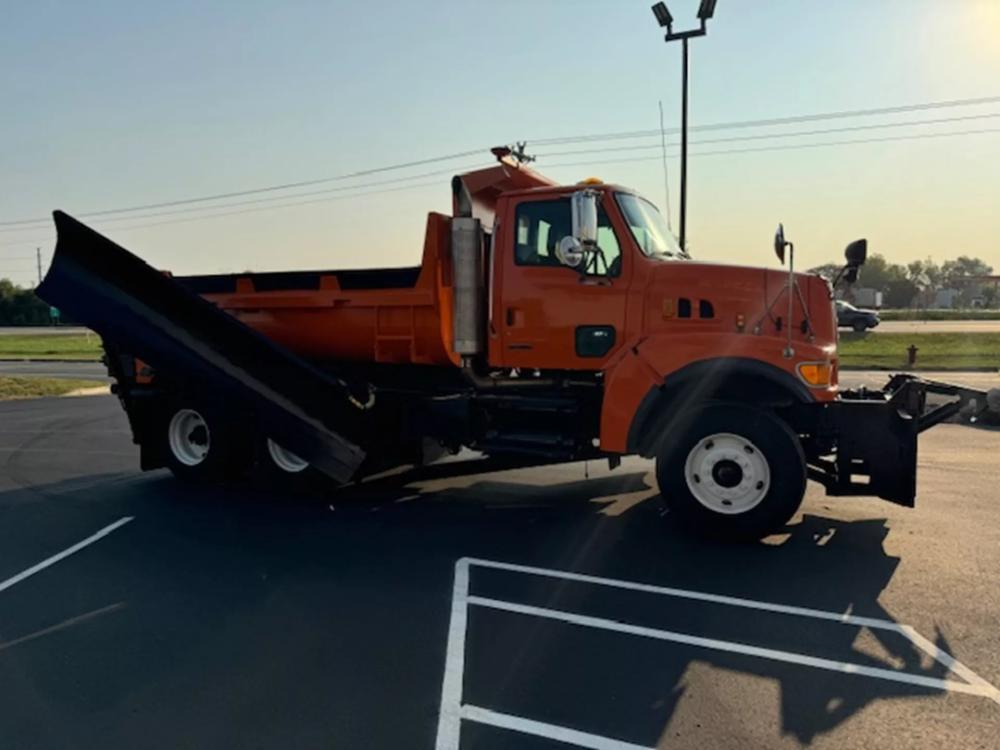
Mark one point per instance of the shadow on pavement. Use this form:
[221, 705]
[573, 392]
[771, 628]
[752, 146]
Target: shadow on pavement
[326, 610]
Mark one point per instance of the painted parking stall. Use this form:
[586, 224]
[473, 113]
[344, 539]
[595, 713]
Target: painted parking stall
[456, 712]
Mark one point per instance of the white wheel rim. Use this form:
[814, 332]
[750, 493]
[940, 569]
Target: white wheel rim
[285, 459]
[189, 437]
[727, 474]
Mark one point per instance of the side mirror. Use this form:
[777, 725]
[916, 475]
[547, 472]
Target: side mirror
[779, 243]
[569, 252]
[584, 210]
[856, 253]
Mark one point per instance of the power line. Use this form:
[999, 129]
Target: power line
[268, 207]
[28, 224]
[191, 209]
[618, 135]
[272, 207]
[265, 189]
[771, 136]
[790, 147]
[823, 144]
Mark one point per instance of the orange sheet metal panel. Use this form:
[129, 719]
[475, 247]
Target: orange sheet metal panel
[399, 326]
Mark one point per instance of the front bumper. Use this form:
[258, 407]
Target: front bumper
[866, 441]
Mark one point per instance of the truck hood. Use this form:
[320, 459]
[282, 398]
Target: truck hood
[745, 298]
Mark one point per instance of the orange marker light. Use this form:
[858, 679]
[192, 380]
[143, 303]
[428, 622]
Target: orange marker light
[816, 374]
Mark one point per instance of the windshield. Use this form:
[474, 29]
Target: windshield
[648, 226]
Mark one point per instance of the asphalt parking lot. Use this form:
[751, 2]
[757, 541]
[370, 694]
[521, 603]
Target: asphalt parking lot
[533, 608]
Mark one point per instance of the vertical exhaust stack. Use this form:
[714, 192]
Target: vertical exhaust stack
[470, 291]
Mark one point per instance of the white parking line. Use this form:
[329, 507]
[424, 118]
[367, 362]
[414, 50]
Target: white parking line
[843, 618]
[789, 657]
[453, 711]
[64, 554]
[548, 731]
[450, 716]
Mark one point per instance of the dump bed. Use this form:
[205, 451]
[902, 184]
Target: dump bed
[395, 315]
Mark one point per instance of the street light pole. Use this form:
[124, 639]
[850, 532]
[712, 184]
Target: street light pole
[705, 11]
[684, 145]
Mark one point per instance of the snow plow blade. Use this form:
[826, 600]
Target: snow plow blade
[140, 310]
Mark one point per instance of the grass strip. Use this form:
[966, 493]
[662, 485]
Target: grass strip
[55, 346]
[935, 351]
[14, 387]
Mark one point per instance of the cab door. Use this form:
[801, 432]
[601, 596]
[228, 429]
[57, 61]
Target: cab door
[553, 316]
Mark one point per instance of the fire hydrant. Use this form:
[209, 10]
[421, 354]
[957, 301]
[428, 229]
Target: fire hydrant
[911, 355]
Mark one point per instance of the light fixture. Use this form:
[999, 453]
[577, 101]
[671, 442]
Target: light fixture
[706, 10]
[663, 16]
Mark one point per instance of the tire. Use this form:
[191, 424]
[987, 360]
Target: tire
[281, 469]
[736, 472]
[859, 326]
[203, 444]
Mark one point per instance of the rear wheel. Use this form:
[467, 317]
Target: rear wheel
[281, 469]
[284, 460]
[202, 444]
[736, 472]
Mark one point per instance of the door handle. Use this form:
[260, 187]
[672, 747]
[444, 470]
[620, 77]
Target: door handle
[510, 316]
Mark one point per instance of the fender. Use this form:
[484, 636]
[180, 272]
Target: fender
[638, 392]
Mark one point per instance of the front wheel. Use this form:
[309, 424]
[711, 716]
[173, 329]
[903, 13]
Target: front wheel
[860, 326]
[736, 472]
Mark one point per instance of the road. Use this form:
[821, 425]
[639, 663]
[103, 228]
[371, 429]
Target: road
[939, 326]
[242, 618]
[55, 369]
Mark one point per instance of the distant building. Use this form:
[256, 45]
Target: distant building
[946, 298]
[861, 296]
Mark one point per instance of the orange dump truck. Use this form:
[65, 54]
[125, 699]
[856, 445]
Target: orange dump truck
[546, 323]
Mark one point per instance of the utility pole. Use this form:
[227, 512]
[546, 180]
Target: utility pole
[705, 11]
[38, 258]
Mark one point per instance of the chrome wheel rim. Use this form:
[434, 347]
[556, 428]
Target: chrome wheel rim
[727, 474]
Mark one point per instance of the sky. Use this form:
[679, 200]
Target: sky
[111, 104]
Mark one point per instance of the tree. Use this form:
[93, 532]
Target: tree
[954, 271]
[828, 271]
[926, 274]
[21, 307]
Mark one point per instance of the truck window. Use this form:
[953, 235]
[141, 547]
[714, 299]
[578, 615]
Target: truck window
[648, 226]
[540, 225]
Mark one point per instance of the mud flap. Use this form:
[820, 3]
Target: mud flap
[144, 312]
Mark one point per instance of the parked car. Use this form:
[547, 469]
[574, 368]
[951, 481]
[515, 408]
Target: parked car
[849, 316]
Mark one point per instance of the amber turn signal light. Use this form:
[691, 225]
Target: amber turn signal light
[816, 374]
